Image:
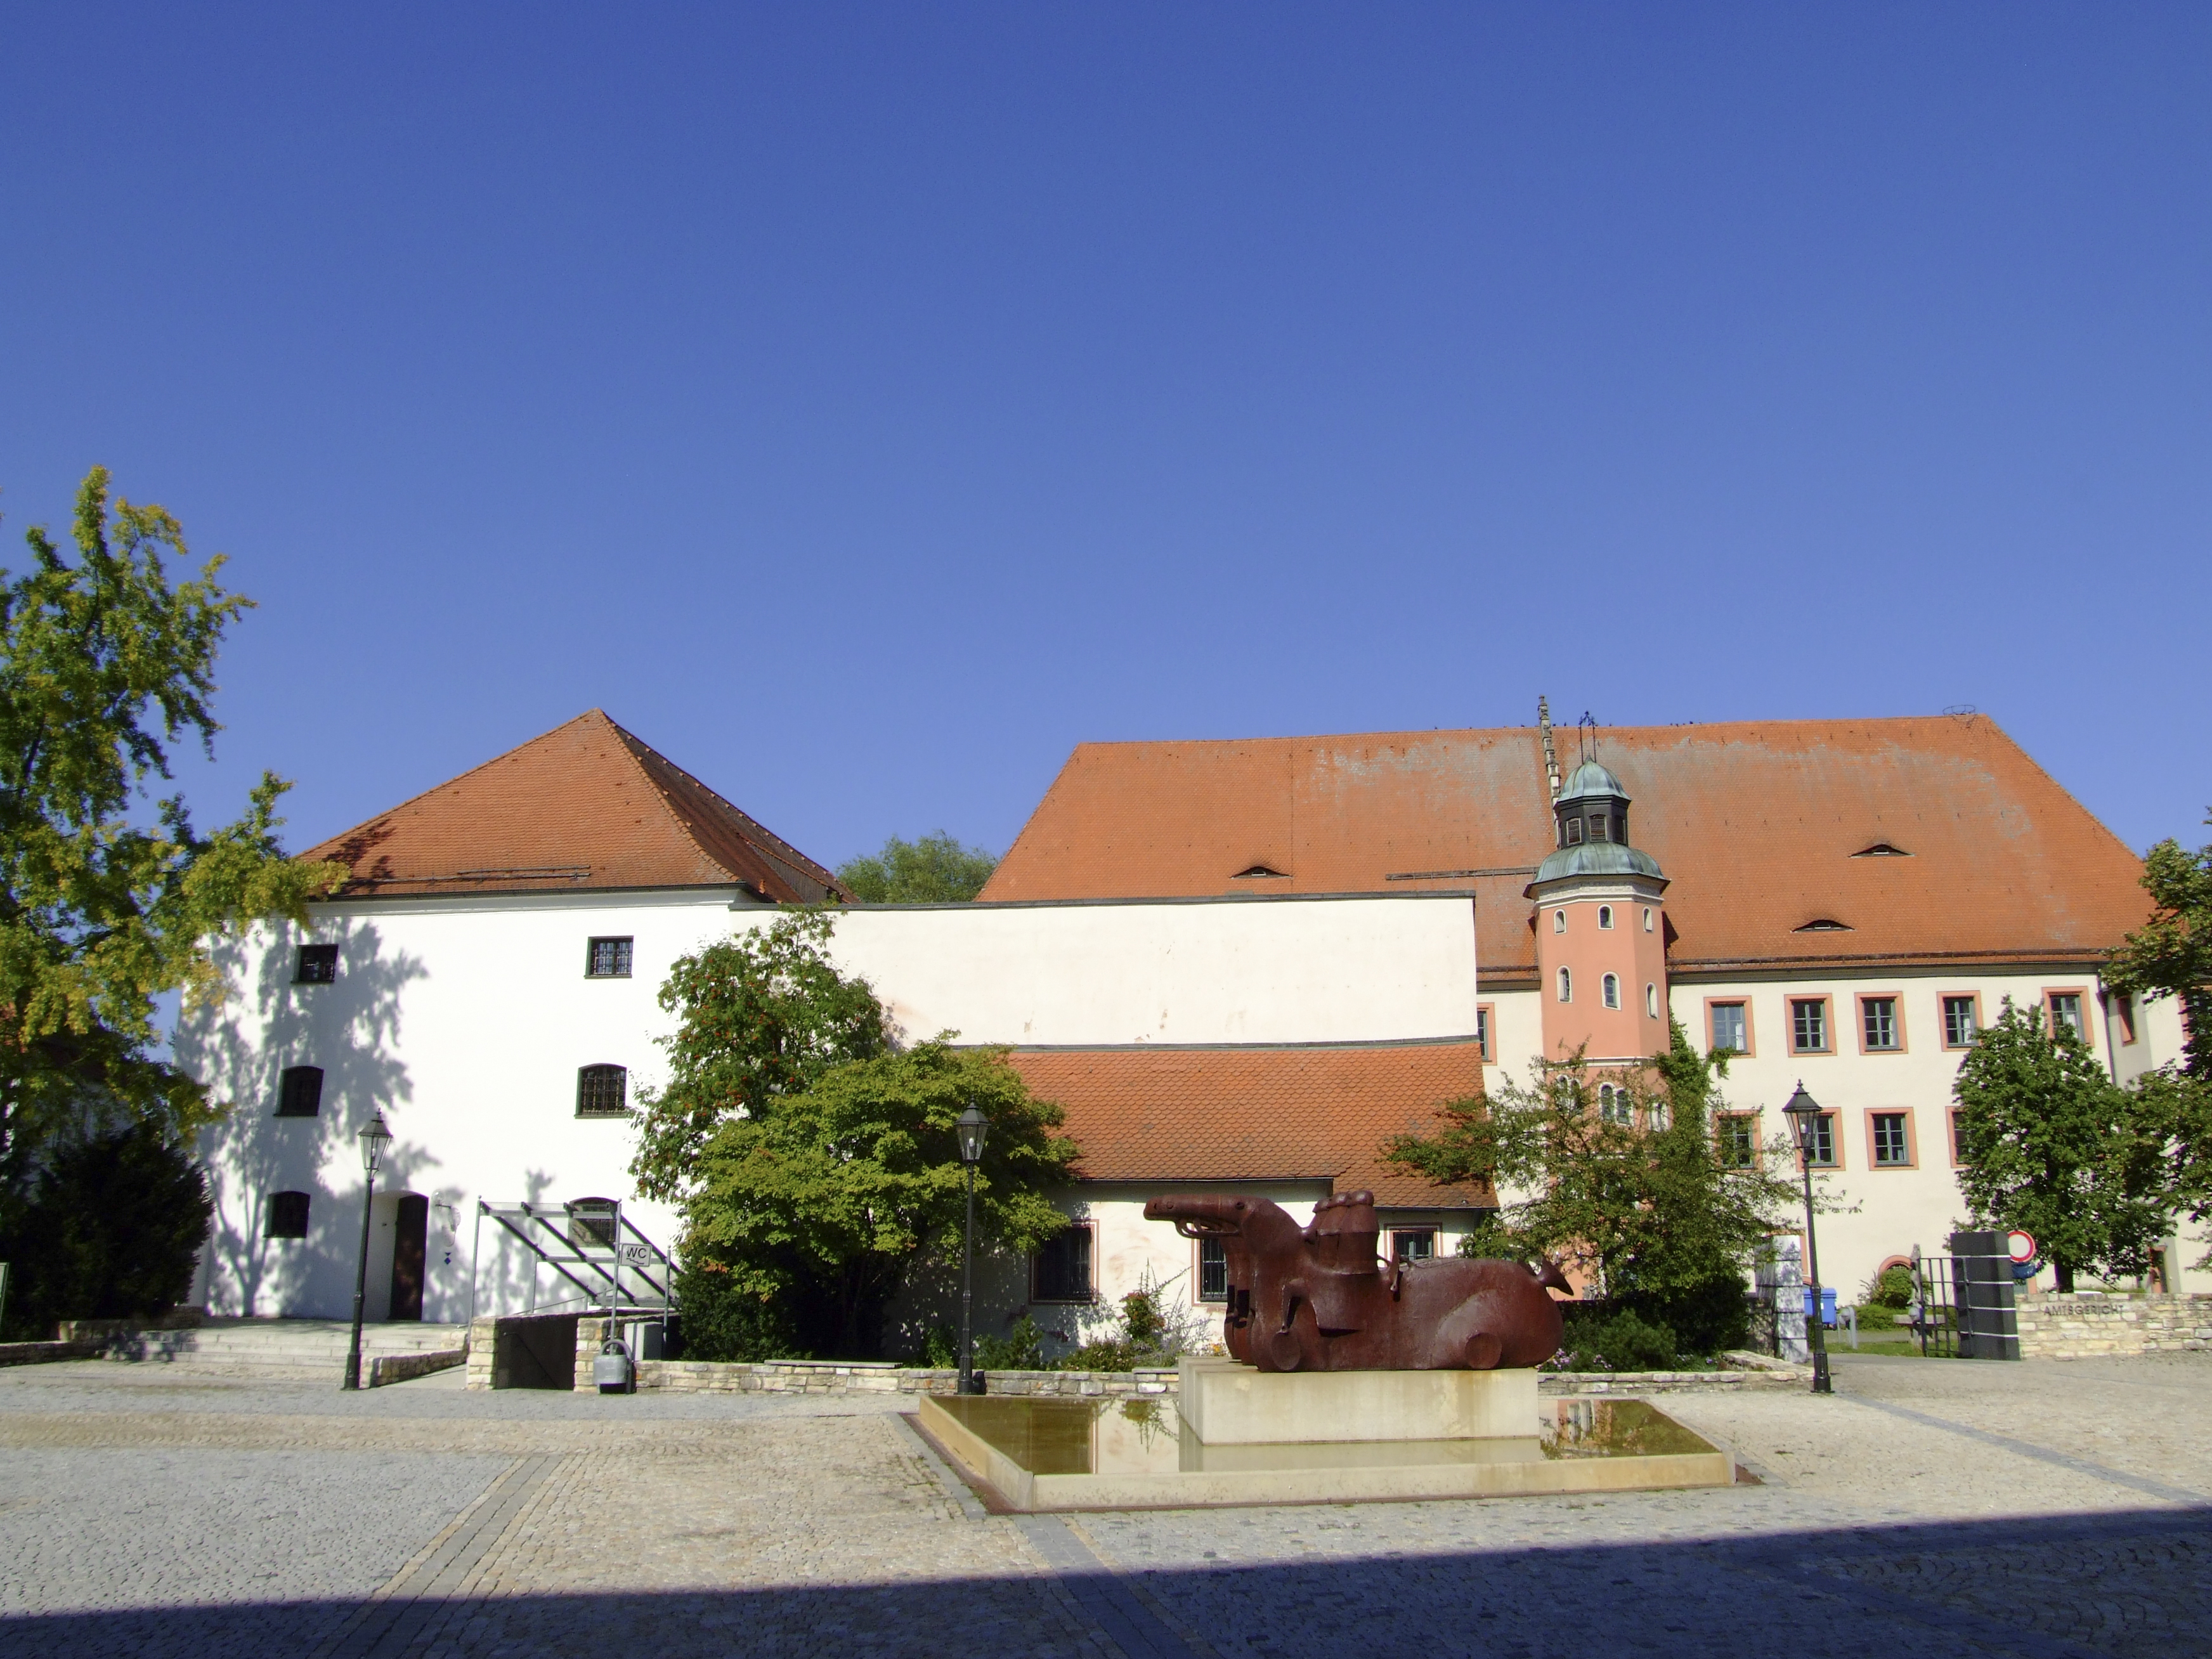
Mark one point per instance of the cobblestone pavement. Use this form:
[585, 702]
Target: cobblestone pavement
[2038, 1508]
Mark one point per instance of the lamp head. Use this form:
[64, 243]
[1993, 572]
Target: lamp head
[971, 1126]
[373, 1139]
[1804, 1114]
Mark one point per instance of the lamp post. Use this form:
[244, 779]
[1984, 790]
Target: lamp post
[1804, 1114]
[373, 1139]
[971, 1127]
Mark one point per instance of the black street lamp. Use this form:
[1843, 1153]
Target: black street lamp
[1805, 1120]
[373, 1139]
[971, 1126]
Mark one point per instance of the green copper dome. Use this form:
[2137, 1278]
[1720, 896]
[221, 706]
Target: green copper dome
[1591, 779]
[1597, 857]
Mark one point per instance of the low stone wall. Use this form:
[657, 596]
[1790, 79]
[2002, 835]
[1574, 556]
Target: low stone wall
[523, 1350]
[1638, 1383]
[399, 1367]
[39, 1353]
[106, 1330]
[880, 1377]
[2082, 1325]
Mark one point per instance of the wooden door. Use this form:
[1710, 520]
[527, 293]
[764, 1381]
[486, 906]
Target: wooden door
[410, 1234]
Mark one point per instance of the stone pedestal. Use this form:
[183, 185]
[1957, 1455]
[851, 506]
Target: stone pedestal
[1228, 1404]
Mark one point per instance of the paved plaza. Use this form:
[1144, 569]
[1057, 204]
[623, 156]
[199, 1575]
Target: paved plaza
[1932, 1507]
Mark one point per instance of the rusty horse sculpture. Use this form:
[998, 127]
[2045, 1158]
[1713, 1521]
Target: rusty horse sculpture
[1316, 1299]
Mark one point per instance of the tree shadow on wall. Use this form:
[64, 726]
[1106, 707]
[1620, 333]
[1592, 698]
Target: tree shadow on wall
[350, 1029]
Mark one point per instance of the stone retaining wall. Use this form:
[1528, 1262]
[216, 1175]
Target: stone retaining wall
[399, 1367]
[524, 1351]
[39, 1353]
[2079, 1325]
[867, 1377]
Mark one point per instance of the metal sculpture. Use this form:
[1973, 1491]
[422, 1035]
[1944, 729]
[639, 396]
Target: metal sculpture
[1318, 1299]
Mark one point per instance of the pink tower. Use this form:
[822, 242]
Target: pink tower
[1601, 930]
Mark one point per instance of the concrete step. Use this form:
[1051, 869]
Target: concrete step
[304, 1346]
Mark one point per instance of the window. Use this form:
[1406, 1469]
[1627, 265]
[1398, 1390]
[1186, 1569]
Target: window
[1605, 916]
[1651, 1001]
[2125, 1007]
[1574, 832]
[1061, 1271]
[593, 1222]
[1821, 1153]
[1808, 1026]
[300, 1091]
[1212, 1270]
[1482, 1031]
[287, 1216]
[1729, 1028]
[1566, 986]
[317, 965]
[1614, 1105]
[608, 958]
[1600, 828]
[1558, 921]
[1960, 1023]
[1893, 1145]
[1647, 918]
[2066, 1011]
[1878, 1022]
[1737, 1135]
[1611, 987]
[1957, 1142]
[1656, 1117]
[1414, 1244]
[602, 1091]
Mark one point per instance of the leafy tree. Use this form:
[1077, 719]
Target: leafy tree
[2171, 954]
[830, 1197]
[103, 662]
[935, 870]
[761, 1016]
[112, 1231]
[2052, 1146]
[1638, 1197]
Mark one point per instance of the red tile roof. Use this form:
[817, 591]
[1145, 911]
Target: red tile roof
[586, 805]
[1293, 1113]
[1755, 822]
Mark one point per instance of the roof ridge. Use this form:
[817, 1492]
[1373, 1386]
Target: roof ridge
[631, 743]
[457, 777]
[751, 832]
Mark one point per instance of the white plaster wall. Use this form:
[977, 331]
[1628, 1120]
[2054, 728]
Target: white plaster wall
[1232, 971]
[466, 1019]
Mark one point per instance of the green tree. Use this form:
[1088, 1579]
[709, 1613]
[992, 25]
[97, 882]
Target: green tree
[2171, 955]
[935, 870]
[2053, 1146]
[103, 663]
[829, 1199]
[112, 1231]
[760, 1016]
[1636, 1195]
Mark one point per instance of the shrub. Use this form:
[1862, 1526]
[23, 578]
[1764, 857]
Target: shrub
[1890, 1288]
[112, 1231]
[722, 1321]
[1616, 1339]
[1021, 1349]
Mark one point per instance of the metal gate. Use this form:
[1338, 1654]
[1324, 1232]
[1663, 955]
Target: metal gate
[1962, 1305]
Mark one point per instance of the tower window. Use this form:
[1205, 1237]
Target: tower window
[1605, 916]
[1566, 986]
[317, 965]
[1651, 1000]
[287, 1216]
[1647, 918]
[1558, 921]
[300, 1091]
[608, 958]
[1613, 1105]
[602, 1091]
[1611, 989]
[1574, 832]
[1600, 828]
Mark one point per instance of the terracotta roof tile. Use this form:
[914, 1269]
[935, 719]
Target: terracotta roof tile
[1754, 822]
[586, 805]
[1208, 1115]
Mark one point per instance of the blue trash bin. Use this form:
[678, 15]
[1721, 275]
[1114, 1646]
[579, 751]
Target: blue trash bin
[1827, 1305]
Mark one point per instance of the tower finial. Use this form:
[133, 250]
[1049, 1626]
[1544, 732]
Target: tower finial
[1550, 755]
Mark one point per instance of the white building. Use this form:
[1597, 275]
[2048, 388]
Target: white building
[1243, 963]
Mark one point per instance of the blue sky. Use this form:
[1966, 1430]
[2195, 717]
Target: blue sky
[866, 405]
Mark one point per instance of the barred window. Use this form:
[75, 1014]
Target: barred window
[1414, 1244]
[287, 1216]
[1061, 1271]
[608, 958]
[1878, 1018]
[300, 1091]
[602, 1091]
[1212, 1270]
[1892, 1146]
[317, 965]
[1959, 1022]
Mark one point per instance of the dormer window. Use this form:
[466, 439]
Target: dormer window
[1261, 872]
[1882, 849]
[1823, 925]
[1574, 832]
